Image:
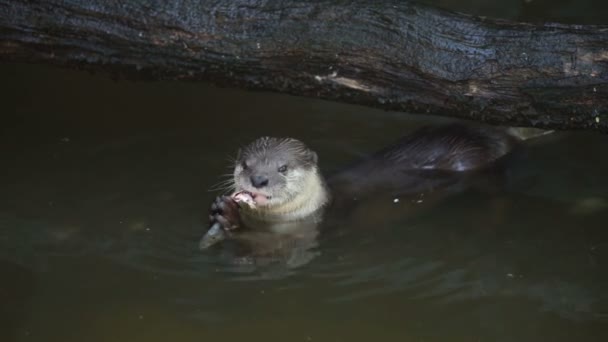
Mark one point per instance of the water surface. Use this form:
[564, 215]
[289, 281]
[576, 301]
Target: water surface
[104, 188]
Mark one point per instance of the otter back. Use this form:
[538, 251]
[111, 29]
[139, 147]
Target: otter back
[426, 158]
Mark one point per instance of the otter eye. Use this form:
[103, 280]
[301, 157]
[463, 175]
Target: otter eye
[283, 169]
[244, 165]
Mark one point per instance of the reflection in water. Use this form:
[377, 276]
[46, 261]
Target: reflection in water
[104, 193]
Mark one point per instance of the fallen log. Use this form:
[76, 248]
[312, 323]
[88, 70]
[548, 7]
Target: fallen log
[390, 54]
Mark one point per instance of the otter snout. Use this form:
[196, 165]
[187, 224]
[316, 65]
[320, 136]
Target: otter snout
[259, 181]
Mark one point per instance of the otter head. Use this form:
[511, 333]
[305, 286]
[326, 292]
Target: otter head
[281, 174]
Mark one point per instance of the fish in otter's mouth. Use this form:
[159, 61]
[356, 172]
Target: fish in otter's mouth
[247, 197]
[250, 198]
[216, 234]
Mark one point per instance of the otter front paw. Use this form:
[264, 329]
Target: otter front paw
[225, 211]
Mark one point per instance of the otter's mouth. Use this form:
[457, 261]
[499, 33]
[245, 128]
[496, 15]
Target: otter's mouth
[256, 197]
[260, 199]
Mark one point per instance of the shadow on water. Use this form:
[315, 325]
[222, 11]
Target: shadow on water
[104, 189]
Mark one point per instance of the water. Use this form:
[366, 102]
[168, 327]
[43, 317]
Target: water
[104, 193]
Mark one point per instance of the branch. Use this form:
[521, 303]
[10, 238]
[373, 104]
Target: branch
[389, 54]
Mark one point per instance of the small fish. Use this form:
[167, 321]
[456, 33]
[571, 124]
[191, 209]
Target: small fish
[244, 197]
[216, 233]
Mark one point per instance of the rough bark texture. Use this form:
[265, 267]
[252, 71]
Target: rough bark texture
[391, 54]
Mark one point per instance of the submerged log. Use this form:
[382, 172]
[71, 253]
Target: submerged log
[390, 54]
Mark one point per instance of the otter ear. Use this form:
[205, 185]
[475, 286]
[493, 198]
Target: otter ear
[313, 157]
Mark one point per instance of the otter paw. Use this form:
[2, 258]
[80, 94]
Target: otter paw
[225, 211]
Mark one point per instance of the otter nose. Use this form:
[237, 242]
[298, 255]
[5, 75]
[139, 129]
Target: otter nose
[259, 181]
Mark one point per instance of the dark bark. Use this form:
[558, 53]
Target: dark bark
[390, 54]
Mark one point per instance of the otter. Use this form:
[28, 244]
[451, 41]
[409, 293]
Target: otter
[282, 177]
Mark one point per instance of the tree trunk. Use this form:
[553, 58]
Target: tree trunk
[390, 54]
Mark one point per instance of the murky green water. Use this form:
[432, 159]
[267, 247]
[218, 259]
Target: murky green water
[103, 186]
